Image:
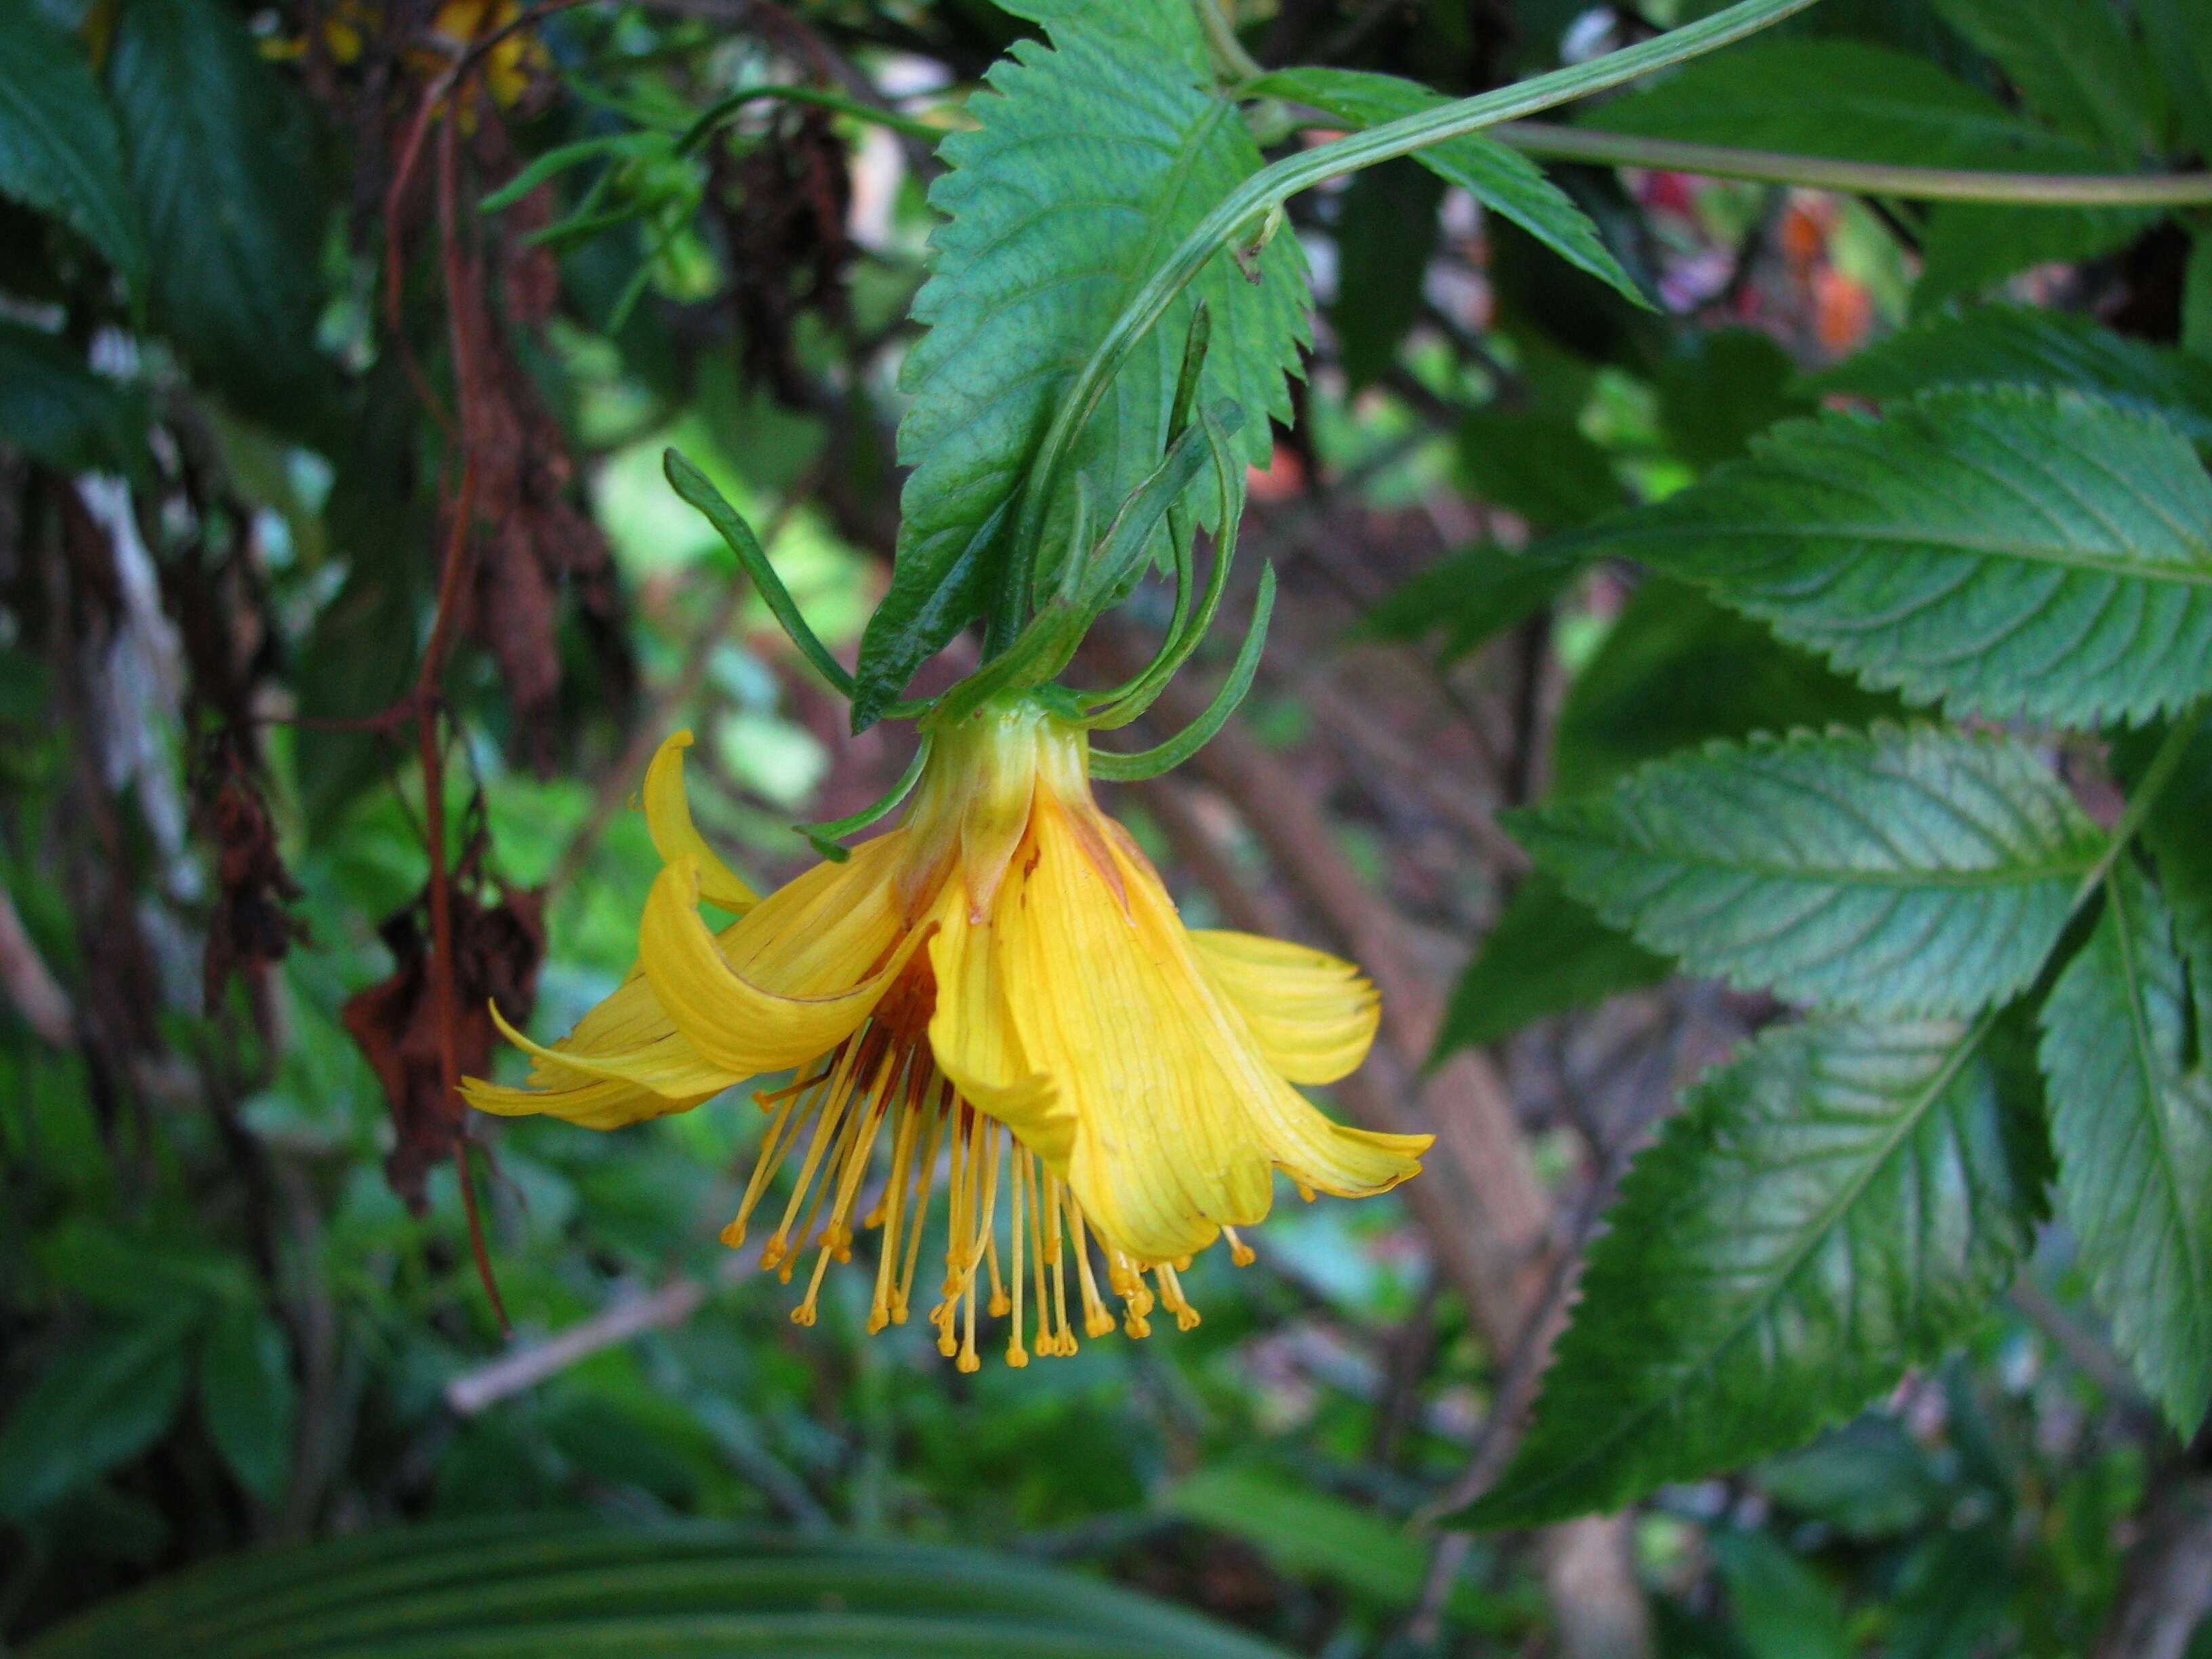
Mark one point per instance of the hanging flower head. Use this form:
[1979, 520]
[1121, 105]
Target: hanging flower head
[999, 989]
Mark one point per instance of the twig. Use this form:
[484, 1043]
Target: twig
[45, 1006]
[526, 1367]
[2168, 1591]
[1858, 177]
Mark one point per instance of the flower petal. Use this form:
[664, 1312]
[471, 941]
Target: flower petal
[1155, 1070]
[594, 1103]
[1313, 1014]
[666, 1065]
[972, 1034]
[1303, 1142]
[796, 980]
[668, 821]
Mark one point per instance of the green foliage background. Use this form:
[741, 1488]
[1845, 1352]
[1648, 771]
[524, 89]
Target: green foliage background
[1817, 589]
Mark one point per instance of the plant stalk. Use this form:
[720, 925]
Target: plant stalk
[1772, 166]
[1246, 208]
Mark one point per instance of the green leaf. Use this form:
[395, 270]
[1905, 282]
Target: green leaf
[104, 1401]
[1836, 1203]
[2073, 61]
[2133, 1132]
[1675, 670]
[218, 162]
[1092, 160]
[1914, 871]
[1471, 596]
[1545, 955]
[525, 1587]
[1502, 180]
[2000, 550]
[1539, 466]
[2016, 345]
[248, 1399]
[1868, 1479]
[59, 153]
[57, 410]
[1385, 232]
[2197, 298]
[2179, 35]
[1864, 103]
[1783, 1609]
[2174, 831]
[1303, 1531]
[1161, 33]
[1717, 388]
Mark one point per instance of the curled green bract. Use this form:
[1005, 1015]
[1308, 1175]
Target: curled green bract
[697, 489]
[824, 837]
[1166, 756]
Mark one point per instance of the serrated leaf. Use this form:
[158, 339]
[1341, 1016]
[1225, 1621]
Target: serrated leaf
[2017, 345]
[1916, 871]
[2133, 1133]
[1546, 955]
[1092, 160]
[2073, 61]
[1858, 102]
[1835, 1204]
[1675, 669]
[59, 153]
[217, 162]
[248, 1399]
[1168, 35]
[1999, 551]
[1500, 178]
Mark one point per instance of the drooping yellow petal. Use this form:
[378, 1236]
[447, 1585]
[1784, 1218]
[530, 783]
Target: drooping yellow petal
[797, 980]
[667, 1065]
[1304, 1142]
[1163, 1153]
[593, 1103]
[1313, 1014]
[972, 1034]
[668, 821]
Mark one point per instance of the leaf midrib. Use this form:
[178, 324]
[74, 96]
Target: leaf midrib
[1634, 1420]
[2005, 876]
[2186, 576]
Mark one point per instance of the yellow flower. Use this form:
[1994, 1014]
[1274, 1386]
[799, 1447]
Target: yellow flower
[1000, 985]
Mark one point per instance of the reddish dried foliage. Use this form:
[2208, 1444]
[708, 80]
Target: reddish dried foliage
[783, 205]
[398, 1023]
[249, 927]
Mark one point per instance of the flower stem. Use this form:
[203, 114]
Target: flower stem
[1246, 207]
[1860, 178]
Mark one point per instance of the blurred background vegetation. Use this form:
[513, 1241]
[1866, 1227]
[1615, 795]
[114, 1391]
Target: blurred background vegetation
[238, 1304]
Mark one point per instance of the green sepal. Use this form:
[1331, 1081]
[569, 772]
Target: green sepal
[695, 488]
[824, 837]
[1150, 763]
